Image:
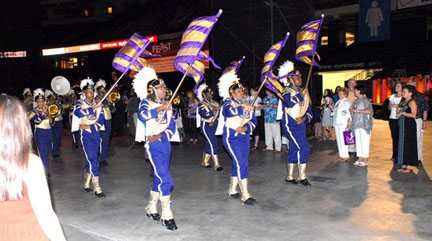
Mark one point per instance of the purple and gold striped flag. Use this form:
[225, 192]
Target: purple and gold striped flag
[190, 48]
[234, 66]
[129, 56]
[271, 80]
[307, 41]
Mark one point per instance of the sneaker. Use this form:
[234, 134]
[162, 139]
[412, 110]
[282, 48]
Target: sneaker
[362, 164]
[356, 163]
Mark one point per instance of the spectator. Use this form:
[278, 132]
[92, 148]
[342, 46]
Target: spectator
[271, 125]
[192, 105]
[421, 119]
[25, 204]
[132, 109]
[316, 120]
[352, 83]
[258, 105]
[361, 112]
[407, 153]
[340, 120]
[394, 100]
[327, 119]
[335, 96]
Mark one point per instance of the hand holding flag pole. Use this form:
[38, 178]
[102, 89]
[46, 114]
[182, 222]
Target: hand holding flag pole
[267, 77]
[189, 56]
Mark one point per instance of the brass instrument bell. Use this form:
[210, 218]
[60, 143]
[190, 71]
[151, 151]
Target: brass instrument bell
[113, 97]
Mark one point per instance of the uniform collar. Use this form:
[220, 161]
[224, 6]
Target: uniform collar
[235, 100]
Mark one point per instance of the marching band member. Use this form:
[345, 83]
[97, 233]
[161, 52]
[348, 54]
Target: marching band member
[72, 102]
[57, 128]
[152, 91]
[28, 99]
[239, 121]
[208, 110]
[297, 113]
[90, 123]
[105, 135]
[42, 122]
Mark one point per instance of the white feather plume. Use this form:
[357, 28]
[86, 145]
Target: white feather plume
[84, 82]
[38, 92]
[284, 69]
[48, 93]
[26, 90]
[201, 88]
[71, 91]
[100, 83]
[225, 82]
[141, 80]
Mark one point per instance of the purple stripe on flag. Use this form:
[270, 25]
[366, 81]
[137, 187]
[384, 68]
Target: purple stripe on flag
[198, 28]
[191, 44]
[304, 42]
[307, 29]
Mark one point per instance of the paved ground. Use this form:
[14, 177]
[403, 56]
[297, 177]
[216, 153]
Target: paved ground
[344, 203]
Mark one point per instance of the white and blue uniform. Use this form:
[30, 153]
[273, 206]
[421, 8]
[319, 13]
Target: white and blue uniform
[237, 144]
[158, 152]
[207, 117]
[298, 144]
[75, 134]
[90, 137]
[57, 131]
[105, 135]
[43, 134]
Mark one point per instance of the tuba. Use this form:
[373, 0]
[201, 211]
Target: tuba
[60, 85]
[168, 94]
[113, 97]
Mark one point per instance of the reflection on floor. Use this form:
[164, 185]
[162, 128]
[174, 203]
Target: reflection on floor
[343, 203]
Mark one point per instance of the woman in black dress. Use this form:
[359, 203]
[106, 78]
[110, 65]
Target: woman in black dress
[407, 151]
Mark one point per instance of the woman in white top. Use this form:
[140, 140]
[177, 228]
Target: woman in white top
[340, 121]
[394, 101]
[327, 119]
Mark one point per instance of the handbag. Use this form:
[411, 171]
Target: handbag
[349, 138]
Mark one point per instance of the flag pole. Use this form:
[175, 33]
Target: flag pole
[112, 87]
[310, 71]
[173, 96]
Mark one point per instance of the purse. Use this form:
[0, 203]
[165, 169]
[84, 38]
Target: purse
[349, 138]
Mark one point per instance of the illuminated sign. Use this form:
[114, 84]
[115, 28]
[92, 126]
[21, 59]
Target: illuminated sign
[16, 54]
[91, 47]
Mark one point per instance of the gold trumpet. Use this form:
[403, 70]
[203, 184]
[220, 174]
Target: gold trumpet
[168, 94]
[53, 110]
[113, 97]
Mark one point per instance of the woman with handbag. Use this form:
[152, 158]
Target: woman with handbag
[341, 116]
[361, 112]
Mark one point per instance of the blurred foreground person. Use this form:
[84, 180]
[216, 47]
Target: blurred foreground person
[25, 204]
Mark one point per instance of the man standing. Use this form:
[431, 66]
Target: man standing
[297, 113]
[421, 119]
[208, 109]
[240, 121]
[157, 131]
[271, 125]
[90, 123]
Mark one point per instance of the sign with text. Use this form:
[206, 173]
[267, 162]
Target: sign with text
[16, 54]
[412, 3]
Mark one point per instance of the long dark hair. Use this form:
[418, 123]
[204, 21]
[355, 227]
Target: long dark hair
[15, 147]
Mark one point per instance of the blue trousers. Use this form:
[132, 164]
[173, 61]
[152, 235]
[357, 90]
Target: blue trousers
[75, 138]
[298, 144]
[91, 143]
[57, 131]
[238, 147]
[209, 133]
[159, 154]
[105, 136]
[43, 141]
